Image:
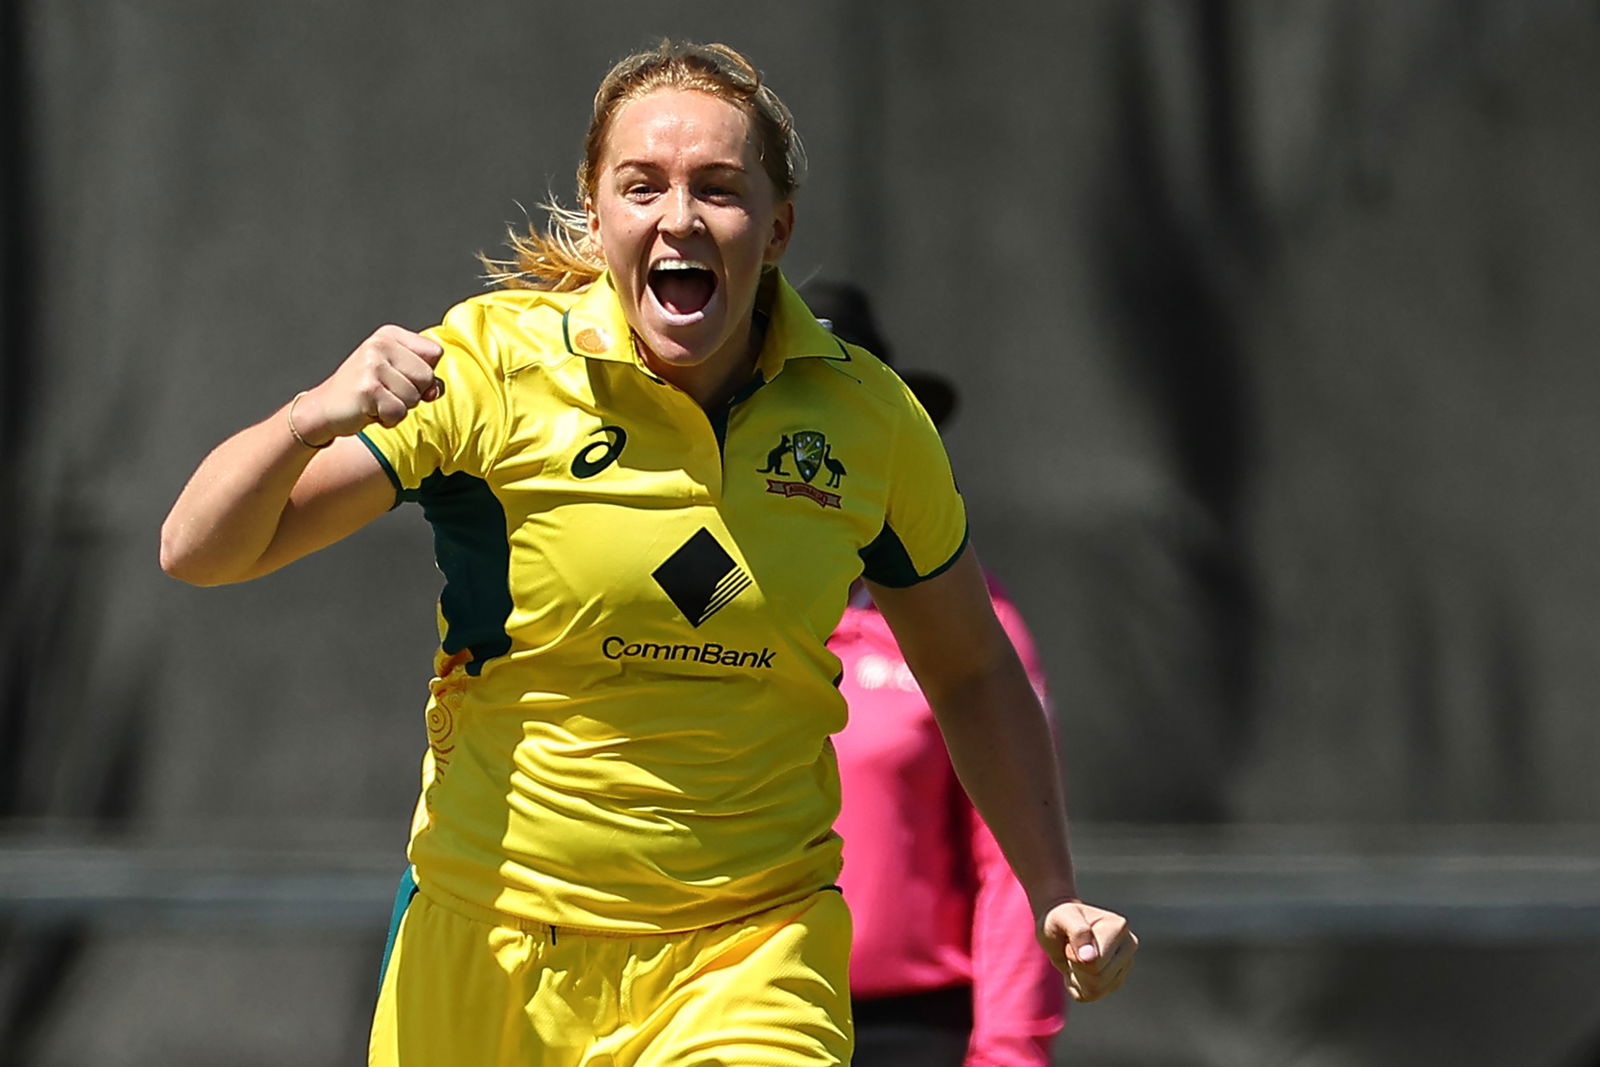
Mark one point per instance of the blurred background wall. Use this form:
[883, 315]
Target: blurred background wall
[1275, 322]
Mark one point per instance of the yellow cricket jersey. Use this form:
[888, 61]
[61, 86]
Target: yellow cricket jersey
[629, 726]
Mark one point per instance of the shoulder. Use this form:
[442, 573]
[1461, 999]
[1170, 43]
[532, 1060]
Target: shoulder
[856, 376]
[511, 328]
[817, 359]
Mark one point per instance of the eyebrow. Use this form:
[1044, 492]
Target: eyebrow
[645, 164]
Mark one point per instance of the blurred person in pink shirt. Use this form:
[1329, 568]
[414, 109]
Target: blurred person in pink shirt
[944, 968]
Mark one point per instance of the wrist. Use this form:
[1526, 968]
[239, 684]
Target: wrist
[1057, 895]
[309, 437]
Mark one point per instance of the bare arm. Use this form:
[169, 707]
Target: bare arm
[1003, 753]
[264, 498]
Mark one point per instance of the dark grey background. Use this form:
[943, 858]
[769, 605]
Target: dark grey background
[1274, 323]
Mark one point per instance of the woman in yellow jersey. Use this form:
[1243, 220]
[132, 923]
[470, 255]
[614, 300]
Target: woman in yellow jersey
[652, 477]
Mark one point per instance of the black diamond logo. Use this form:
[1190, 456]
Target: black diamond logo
[701, 578]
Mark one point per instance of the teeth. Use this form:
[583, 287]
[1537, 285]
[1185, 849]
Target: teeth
[681, 264]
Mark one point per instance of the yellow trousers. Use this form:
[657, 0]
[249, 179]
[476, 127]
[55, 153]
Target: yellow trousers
[770, 990]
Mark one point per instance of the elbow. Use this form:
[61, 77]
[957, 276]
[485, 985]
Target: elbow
[180, 560]
[172, 554]
[177, 564]
[177, 569]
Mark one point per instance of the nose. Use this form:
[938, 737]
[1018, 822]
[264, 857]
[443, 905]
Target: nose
[681, 217]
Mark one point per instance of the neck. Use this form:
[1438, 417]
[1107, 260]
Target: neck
[713, 382]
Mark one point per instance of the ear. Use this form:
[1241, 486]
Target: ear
[782, 230]
[592, 220]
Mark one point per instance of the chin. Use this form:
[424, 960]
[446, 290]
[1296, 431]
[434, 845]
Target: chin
[677, 350]
[669, 357]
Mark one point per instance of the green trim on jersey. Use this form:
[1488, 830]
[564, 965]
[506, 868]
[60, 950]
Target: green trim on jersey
[719, 418]
[887, 563]
[470, 547]
[388, 468]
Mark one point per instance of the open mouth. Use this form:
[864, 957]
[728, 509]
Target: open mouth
[683, 287]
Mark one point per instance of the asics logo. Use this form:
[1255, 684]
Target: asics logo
[598, 455]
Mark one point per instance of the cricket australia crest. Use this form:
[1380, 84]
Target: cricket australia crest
[812, 454]
[808, 450]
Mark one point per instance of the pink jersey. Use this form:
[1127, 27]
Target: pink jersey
[934, 901]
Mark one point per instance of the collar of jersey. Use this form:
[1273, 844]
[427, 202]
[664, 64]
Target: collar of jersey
[594, 327]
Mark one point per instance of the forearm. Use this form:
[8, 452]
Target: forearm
[1007, 763]
[271, 493]
[227, 515]
[1002, 749]
[1017, 995]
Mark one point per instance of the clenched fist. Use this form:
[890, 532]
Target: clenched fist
[1093, 947]
[387, 375]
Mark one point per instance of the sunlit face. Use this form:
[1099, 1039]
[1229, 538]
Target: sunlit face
[686, 217]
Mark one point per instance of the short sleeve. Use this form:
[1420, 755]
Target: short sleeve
[463, 430]
[925, 521]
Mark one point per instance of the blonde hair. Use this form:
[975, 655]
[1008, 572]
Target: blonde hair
[562, 257]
